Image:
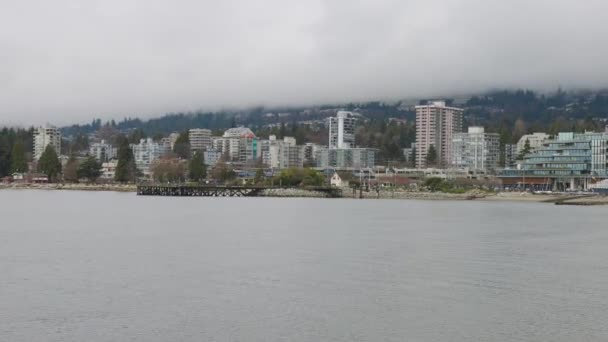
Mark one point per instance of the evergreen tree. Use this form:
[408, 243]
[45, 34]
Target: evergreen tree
[4, 155]
[49, 163]
[198, 169]
[136, 136]
[70, 172]
[259, 176]
[525, 151]
[431, 156]
[18, 161]
[182, 146]
[89, 169]
[126, 171]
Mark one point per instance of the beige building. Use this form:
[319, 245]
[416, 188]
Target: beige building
[436, 125]
[200, 139]
[536, 141]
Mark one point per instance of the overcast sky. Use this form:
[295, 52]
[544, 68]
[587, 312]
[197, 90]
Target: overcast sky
[72, 60]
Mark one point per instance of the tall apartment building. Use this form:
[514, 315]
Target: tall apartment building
[476, 150]
[45, 136]
[200, 139]
[436, 125]
[342, 130]
[310, 150]
[510, 155]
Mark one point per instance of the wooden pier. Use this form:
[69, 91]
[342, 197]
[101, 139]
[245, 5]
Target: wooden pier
[221, 191]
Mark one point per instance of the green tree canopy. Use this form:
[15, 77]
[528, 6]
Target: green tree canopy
[89, 169]
[18, 160]
[299, 177]
[126, 170]
[169, 170]
[259, 176]
[70, 171]
[198, 169]
[182, 146]
[223, 172]
[49, 163]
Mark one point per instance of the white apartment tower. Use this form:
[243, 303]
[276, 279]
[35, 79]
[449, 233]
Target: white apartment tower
[342, 130]
[476, 150]
[44, 136]
[436, 125]
[200, 139]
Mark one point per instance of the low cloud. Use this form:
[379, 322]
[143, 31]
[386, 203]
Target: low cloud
[63, 61]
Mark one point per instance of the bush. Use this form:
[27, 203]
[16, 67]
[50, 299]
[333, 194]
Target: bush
[299, 177]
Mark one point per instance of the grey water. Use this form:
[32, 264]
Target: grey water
[103, 266]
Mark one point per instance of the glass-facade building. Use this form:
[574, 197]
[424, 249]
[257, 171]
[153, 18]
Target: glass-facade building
[570, 160]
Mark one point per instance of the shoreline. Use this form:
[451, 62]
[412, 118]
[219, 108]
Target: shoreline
[75, 187]
[475, 195]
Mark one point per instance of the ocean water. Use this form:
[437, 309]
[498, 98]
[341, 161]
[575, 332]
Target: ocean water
[103, 266]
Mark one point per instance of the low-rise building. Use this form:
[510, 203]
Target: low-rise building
[570, 161]
[536, 141]
[343, 158]
[108, 170]
[146, 152]
[102, 151]
[211, 157]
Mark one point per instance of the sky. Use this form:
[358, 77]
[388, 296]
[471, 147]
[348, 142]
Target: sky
[67, 61]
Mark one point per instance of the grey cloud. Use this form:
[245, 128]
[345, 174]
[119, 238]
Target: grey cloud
[63, 61]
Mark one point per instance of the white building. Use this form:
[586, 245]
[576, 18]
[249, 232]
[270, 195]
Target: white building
[346, 158]
[108, 170]
[476, 150]
[342, 130]
[284, 153]
[171, 139]
[200, 139]
[102, 151]
[45, 136]
[237, 144]
[336, 180]
[211, 157]
[407, 153]
[146, 152]
[536, 141]
[436, 125]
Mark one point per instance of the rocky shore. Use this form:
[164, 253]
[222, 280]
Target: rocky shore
[79, 187]
[292, 193]
[560, 199]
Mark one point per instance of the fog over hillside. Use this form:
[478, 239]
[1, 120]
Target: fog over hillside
[64, 61]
